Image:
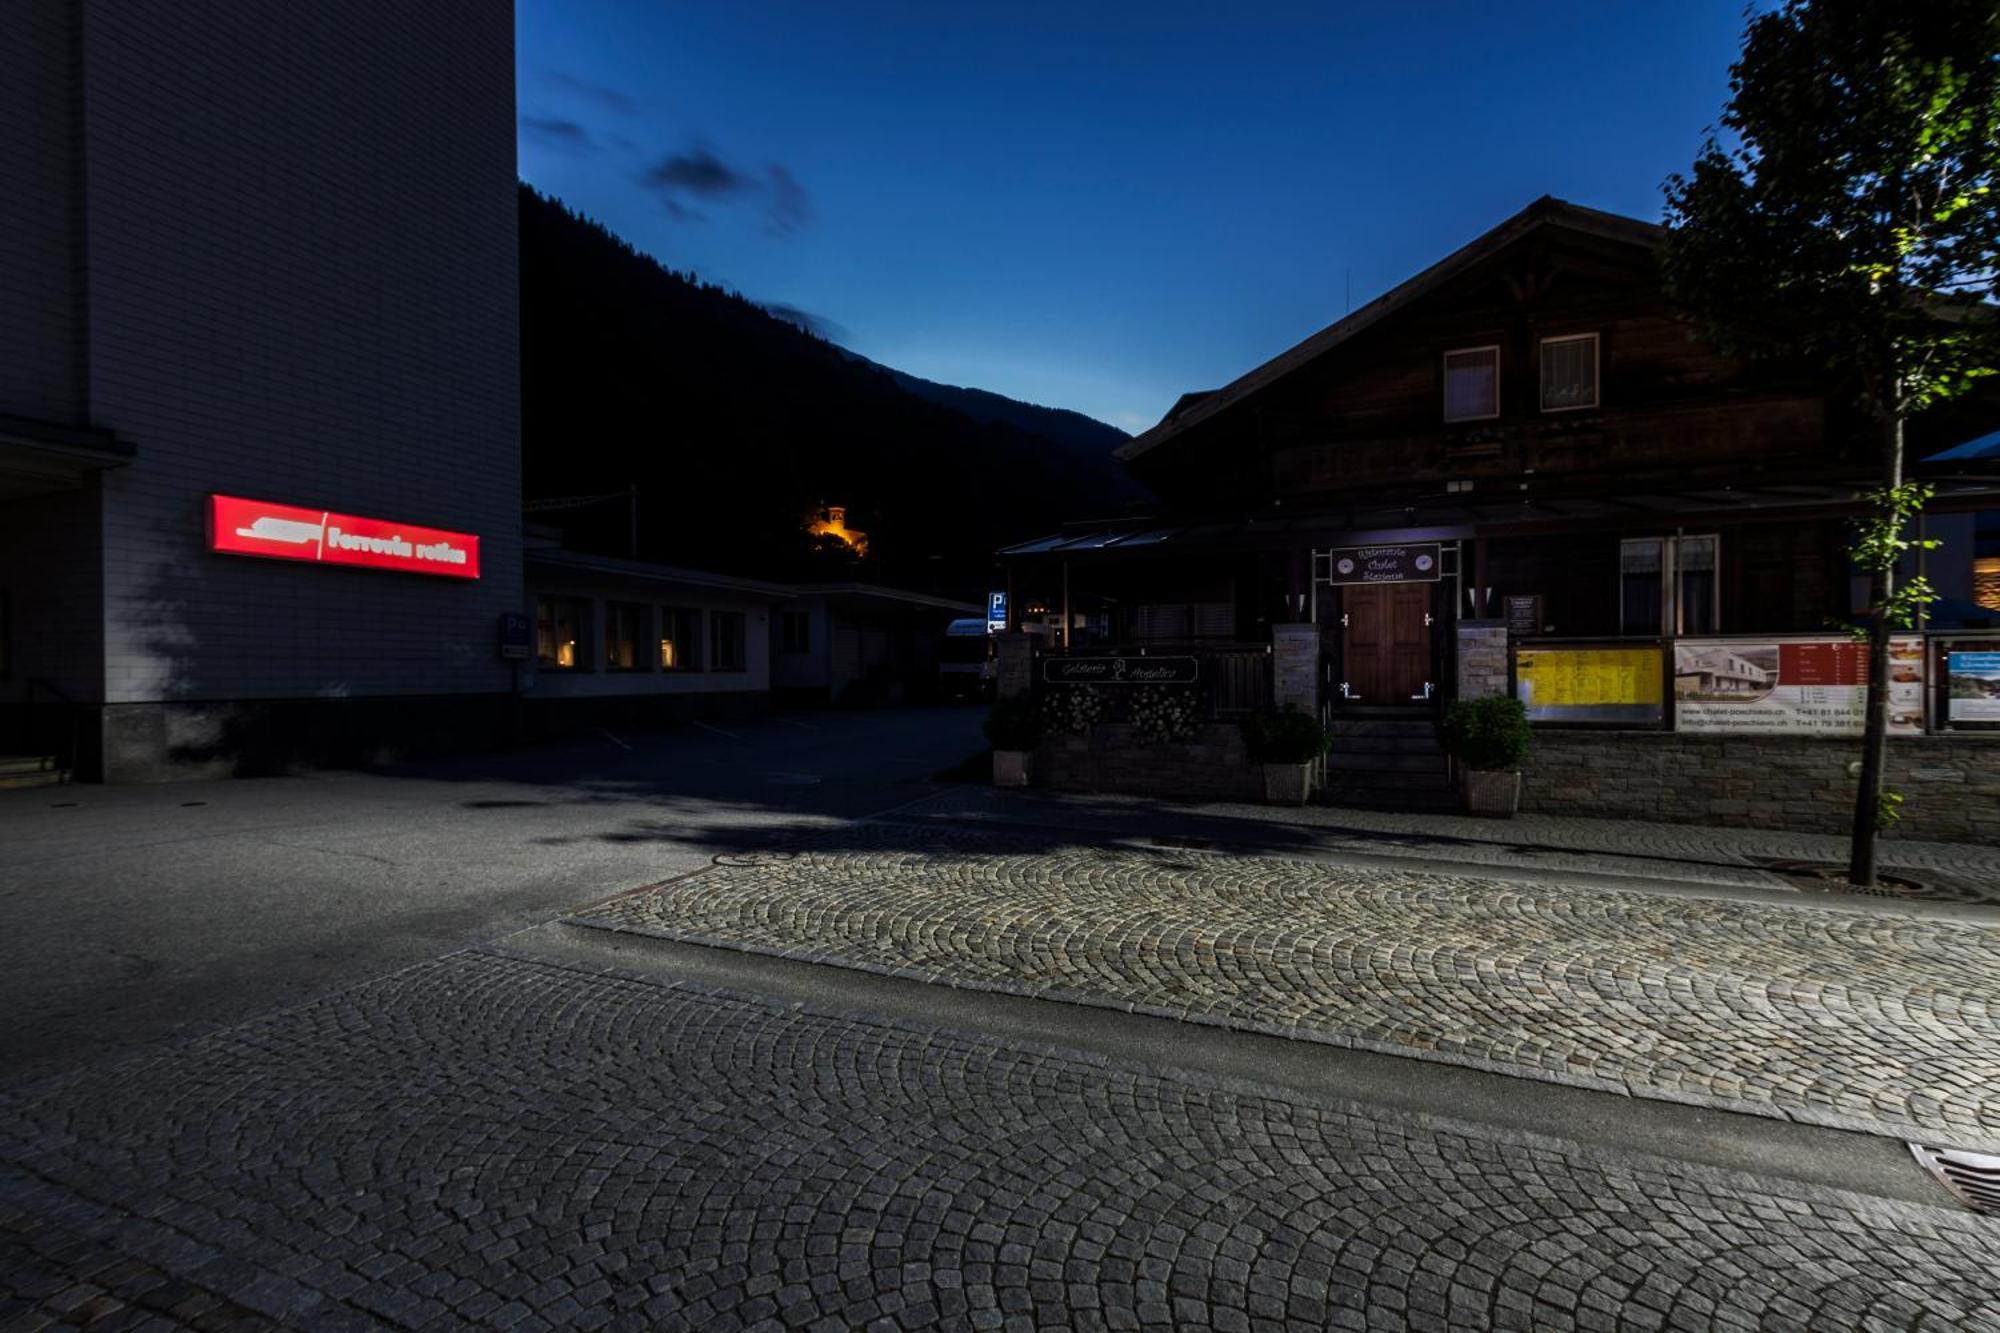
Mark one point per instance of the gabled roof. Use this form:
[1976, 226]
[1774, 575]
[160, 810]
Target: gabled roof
[1547, 211]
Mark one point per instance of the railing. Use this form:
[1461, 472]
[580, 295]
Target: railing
[1233, 678]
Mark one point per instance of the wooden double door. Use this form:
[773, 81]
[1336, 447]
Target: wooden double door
[1385, 641]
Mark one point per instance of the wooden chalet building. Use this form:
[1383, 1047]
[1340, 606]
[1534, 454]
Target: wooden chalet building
[1524, 441]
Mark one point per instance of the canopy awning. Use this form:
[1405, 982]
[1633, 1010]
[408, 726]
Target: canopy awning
[1443, 519]
[42, 457]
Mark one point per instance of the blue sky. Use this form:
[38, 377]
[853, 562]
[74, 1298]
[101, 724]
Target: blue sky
[1098, 206]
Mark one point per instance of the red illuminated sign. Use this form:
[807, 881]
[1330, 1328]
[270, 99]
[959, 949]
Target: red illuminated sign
[287, 532]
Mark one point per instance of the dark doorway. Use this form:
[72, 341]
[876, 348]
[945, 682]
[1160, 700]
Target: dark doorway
[1386, 646]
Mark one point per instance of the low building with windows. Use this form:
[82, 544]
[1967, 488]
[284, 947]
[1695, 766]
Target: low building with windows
[1521, 471]
[626, 643]
[860, 643]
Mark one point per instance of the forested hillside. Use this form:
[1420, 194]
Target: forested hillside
[735, 424]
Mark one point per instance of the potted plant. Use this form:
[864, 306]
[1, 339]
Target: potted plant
[1013, 727]
[1286, 742]
[1489, 739]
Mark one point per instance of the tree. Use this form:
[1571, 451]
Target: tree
[1848, 218]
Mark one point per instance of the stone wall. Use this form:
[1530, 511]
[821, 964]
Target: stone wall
[1482, 658]
[1110, 758]
[1295, 667]
[1950, 784]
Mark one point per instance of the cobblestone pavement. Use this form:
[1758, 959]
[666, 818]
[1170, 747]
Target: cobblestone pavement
[1690, 853]
[492, 1141]
[1881, 1022]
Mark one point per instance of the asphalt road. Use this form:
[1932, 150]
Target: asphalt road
[131, 914]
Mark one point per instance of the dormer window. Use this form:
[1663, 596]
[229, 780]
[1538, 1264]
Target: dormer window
[1569, 373]
[1472, 384]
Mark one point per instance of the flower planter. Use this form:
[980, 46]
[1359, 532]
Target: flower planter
[1494, 794]
[1287, 784]
[1010, 768]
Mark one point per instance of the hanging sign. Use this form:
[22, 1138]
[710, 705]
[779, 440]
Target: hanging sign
[1121, 670]
[1812, 688]
[320, 536]
[1383, 564]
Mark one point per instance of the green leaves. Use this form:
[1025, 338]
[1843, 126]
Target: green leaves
[1853, 221]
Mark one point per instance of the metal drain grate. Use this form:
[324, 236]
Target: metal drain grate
[1826, 877]
[1972, 1177]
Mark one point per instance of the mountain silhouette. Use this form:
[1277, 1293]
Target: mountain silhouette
[735, 424]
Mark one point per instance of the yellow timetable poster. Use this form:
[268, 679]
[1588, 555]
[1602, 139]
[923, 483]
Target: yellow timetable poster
[1581, 683]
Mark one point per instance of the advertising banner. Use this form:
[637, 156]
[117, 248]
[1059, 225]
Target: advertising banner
[1564, 684]
[1807, 688]
[1418, 563]
[1975, 685]
[320, 536]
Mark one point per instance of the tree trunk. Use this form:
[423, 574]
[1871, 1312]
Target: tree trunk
[1875, 734]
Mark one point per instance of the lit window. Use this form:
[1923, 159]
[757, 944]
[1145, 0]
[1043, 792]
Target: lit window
[794, 631]
[559, 628]
[624, 631]
[1986, 581]
[726, 641]
[680, 639]
[1472, 384]
[1667, 585]
[1569, 373]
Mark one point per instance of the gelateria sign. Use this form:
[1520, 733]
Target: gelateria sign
[320, 536]
[1121, 670]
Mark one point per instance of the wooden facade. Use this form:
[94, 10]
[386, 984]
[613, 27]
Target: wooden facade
[1585, 433]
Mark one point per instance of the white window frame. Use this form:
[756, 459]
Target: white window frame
[1596, 372]
[1444, 382]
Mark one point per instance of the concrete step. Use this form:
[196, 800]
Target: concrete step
[1426, 799]
[30, 770]
[1365, 744]
[1385, 762]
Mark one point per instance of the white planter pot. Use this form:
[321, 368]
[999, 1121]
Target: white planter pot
[1495, 794]
[1010, 768]
[1287, 784]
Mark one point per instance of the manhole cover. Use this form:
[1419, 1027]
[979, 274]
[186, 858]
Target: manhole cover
[1830, 877]
[753, 859]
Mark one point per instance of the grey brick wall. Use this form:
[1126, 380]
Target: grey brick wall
[300, 231]
[40, 369]
[1950, 784]
[1482, 659]
[1111, 758]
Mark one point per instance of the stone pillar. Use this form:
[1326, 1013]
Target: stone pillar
[1482, 658]
[1295, 667]
[1014, 662]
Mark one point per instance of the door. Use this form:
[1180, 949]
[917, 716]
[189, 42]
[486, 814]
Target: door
[1386, 643]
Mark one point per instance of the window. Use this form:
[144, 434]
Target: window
[680, 639]
[726, 640]
[1569, 373]
[1668, 585]
[559, 628]
[1986, 581]
[1472, 384]
[794, 631]
[624, 631]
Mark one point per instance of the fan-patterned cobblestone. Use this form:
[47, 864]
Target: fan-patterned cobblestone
[492, 1142]
[1876, 1021]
